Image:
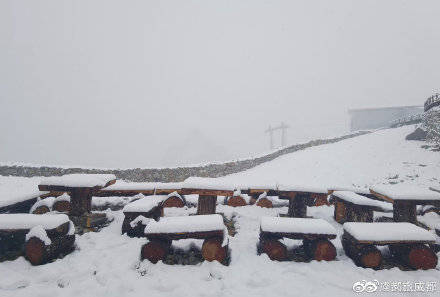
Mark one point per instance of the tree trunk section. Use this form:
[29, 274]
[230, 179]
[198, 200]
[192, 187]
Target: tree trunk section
[364, 255]
[62, 206]
[81, 200]
[212, 250]
[417, 256]
[38, 253]
[320, 249]
[404, 212]
[41, 209]
[297, 207]
[274, 249]
[155, 250]
[206, 205]
[236, 201]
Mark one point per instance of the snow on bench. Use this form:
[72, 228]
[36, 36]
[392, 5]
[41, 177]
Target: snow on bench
[307, 226]
[315, 234]
[28, 221]
[43, 205]
[386, 233]
[191, 224]
[357, 199]
[303, 188]
[405, 192]
[15, 200]
[79, 180]
[145, 204]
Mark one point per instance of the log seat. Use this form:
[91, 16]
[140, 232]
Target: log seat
[40, 238]
[352, 207]
[407, 242]
[315, 233]
[208, 227]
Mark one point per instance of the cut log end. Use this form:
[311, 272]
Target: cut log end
[173, 202]
[236, 201]
[417, 256]
[155, 250]
[264, 202]
[274, 249]
[35, 251]
[41, 209]
[370, 257]
[62, 206]
[212, 250]
[320, 250]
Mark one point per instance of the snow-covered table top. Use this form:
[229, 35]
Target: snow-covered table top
[357, 190]
[382, 233]
[28, 221]
[361, 200]
[190, 224]
[303, 188]
[145, 204]
[79, 180]
[128, 186]
[405, 192]
[296, 225]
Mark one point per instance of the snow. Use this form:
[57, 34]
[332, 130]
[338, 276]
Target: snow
[39, 233]
[405, 192]
[388, 232]
[123, 185]
[175, 194]
[49, 201]
[18, 189]
[296, 225]
[145, 204]
[79, 180]
[28, 221]
[179, 211]
[107, 263]
[362, 200]
[139, 219]
[201, 223]
[71, 229]
[303, 188]
[64, 197]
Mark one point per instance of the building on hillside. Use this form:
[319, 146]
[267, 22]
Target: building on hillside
[374, 118]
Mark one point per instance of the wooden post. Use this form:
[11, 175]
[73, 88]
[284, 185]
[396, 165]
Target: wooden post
[206, 204]
[297, 206]
[81, 200]
[404, 212]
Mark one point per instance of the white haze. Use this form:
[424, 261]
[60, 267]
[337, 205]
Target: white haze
[164, 83]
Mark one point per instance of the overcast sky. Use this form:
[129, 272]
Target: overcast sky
[159, 83]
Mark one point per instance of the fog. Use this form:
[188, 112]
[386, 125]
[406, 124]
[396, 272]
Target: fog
[167, 83]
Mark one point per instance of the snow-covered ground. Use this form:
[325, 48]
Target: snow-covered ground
[107, 263]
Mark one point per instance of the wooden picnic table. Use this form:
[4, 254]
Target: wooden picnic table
[81, 188]
[405, 200]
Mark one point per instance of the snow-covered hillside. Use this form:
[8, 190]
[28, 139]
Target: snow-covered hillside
[107, 263]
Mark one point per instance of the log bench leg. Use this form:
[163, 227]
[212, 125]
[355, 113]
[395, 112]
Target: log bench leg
[273, 248]
[206, 205]
[212, 250]
[340, 213]
[364, 255]
[155, 250]
[320, 249]
[417, 256]
[38, 253]
[297, 207]
[81, 201]
[404, 212]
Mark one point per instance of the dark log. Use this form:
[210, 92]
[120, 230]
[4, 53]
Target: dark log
[404, 212]
[138, 231]
[62, 206]
[320, 199]
[236, 201]
[297, 206]
[206, 205]
[212, 250]
[41, 209]
[38, 253]
[81, 201]
[367, 256]
[340, 213]
[264, 202]
[357, 213]
[417, 256]
[320, 249]
[274, 249]
[155, 250]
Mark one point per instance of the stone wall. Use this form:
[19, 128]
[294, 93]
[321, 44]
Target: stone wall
[171, 174]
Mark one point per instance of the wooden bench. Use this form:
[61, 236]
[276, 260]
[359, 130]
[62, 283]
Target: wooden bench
[148, 207]
[21, 203]
[208, 227]
[352, 207]
[40, 238]
[407, 242]
[315, 234]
